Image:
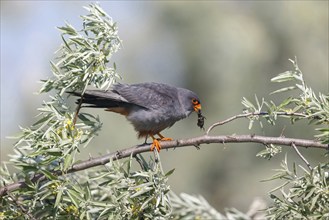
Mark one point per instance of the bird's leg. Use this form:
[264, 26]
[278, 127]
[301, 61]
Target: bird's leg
[162, 138]
[155, 144]
[145, 139]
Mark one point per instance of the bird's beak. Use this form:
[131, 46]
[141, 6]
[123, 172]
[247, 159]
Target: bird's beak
[197, 107]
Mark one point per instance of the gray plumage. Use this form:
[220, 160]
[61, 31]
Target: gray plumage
[150, 107]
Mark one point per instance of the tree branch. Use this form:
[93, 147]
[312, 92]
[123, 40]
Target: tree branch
[250, 114]
[205, 139]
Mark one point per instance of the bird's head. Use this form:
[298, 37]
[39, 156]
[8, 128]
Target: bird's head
[196, 104]
[189, 101]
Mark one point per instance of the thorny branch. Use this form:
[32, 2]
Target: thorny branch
[196, 141]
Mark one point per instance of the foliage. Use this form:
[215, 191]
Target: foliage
[314, 108]
[307, 106]
[303, 196]
[111, 192]
[51, 144]
[84, 55]
[49, 147]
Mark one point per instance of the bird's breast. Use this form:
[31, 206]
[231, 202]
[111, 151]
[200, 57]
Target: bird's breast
[152, 121]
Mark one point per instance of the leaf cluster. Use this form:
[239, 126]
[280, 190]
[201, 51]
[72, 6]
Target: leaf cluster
[49, 147]
[305, 195]
[306, 106]
[301, 196]
[83, 58]
[112, 192]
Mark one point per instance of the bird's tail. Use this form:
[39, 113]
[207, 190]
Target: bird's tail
[98, 99]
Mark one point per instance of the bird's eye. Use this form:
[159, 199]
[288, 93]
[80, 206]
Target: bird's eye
[195, 101]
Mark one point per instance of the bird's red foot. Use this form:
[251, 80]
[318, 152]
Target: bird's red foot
[156, 142]
[162, 138]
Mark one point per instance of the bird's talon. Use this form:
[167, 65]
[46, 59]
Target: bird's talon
[156, 144]
[166, 139]
[156, 141]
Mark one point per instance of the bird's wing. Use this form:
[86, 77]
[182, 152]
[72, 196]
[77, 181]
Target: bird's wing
[144, 95]
[104, 95]
[147, 95]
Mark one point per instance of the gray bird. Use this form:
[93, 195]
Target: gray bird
[150, 107]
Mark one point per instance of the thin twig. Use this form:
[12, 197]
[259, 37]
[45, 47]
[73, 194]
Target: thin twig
[301, 156]
[140, 162]
[246, 115]
[21, 207]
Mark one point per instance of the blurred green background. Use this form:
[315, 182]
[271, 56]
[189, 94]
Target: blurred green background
[222, 50]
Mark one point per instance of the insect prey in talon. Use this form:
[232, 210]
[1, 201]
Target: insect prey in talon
[201, 119]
